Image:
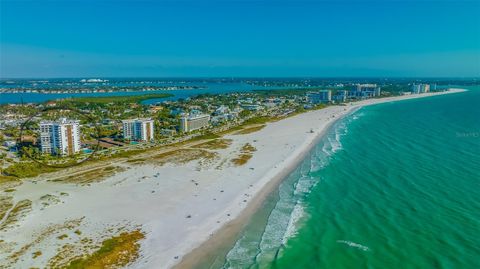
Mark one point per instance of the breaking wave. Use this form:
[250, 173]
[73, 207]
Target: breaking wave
[288, 213]
[354, 245]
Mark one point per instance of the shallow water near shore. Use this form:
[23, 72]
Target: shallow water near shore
[395, 185]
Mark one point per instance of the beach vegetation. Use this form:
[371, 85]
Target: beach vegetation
[246, 153]
[126, 153]
[245, 113]
[215, 144]
[183, 156]
[27, 169]
[36, 254]
[230, 130]
[250, 130]
[63, 236]
[90, 176]
[6, 202]
[241, 159]
[40, 237]
[136, 160]
[248, 148]
[257, 120]
[115, 252]
[18, 211]
[205, 136]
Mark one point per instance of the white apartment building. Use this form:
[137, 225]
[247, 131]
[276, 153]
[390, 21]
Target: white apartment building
[138, 129]
[323, 96]
[340, 96]
[190, 123]
[60, 137]
[366, 91]
[420, 88]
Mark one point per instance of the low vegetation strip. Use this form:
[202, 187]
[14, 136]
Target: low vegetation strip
[250, 130]
[6, 202]
[16, 213]
[183, 156]
[258, 120]
[91, 176]
[115, 252]
[27, 169]
[241, 159]
[215, 144]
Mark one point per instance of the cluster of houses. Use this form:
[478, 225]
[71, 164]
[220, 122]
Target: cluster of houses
[62, 137]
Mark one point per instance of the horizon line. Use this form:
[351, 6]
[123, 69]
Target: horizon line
[246, 77]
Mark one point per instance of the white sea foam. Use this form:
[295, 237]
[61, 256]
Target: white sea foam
[285, 218]
[354, 245]
[335, 143]
[297, 214]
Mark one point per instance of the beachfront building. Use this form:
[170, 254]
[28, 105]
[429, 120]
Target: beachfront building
[323, 96]
[340, 96]
[420, 88]
[138, 129]
[362, 91]
[60, 137]
[192, 122]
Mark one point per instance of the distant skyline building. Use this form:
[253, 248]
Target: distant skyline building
[340, 96]
[323, 96]
[420, 88]
[60, 137]
[362, 91]
[194, 122]
[138, 129]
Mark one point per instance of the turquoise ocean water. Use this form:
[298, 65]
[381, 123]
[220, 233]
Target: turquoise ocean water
[395, 185]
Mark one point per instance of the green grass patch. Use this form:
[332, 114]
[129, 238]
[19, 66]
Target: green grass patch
[94, 175]
[137, 160]
[241, 159]
[258, 120]
[182, 156]
[248, 148]
[127, 153]
[27, 169]
[63, 236]
[250, 130]
[205, 136]
[215, 144]
[6, 179]
[36, 254]
[115, 252]
[246, 154]
[231, 130]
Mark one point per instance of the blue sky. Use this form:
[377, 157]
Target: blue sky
[109, 38]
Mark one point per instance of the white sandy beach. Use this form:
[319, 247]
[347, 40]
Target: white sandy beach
[178, 206]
